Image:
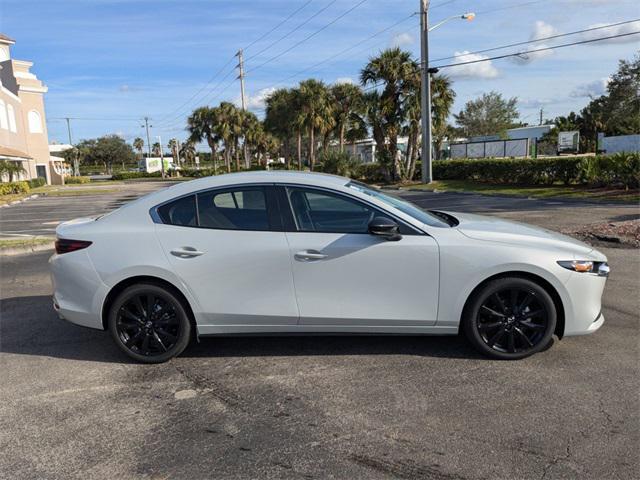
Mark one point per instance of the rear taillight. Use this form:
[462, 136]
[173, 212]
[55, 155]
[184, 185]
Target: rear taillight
[64, 245]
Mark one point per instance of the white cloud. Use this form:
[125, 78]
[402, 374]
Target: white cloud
[344, 80]
[591, 89]
[472, 70]
[402, 39]
[257, 101]
[608, 32]
[535, 102]
[540, 30]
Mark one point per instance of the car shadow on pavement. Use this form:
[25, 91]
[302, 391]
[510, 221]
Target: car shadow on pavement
[29, 326]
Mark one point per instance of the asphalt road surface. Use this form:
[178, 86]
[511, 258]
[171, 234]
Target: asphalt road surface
[72, 406]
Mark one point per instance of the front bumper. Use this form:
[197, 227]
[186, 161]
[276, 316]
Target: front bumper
[583, 310]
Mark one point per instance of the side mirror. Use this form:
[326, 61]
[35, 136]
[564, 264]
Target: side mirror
[386, 228]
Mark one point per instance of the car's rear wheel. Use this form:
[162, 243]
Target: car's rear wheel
[149, 323]
[510, 318]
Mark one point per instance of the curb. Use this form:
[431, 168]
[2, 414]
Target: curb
[23, 250]
[16, 202]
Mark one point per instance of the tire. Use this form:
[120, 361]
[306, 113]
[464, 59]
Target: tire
[149, 339]
[509, 318]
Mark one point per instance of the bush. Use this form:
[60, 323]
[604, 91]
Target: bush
[14, 187]
[132, 175]
[76, 180]
[370, 173]
[505, 171]
[620, 169]
[337, 163]
[37, 182]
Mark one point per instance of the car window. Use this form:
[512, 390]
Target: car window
[317, 211]
[179, 212]
[241, 209]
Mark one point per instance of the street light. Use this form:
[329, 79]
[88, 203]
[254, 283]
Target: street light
[469, 16]
[425, 102]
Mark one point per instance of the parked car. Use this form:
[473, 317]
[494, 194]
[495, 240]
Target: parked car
[291, 253]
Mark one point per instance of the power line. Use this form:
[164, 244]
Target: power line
[291, 32]
[308, 37]
[525, 52]
[213, 77]
[264, 35]
[538, 39]
[341, 52]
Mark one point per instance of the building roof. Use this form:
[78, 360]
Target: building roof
[13, 154]
[6, 39]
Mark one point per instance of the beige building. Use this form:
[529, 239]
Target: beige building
[23, 127]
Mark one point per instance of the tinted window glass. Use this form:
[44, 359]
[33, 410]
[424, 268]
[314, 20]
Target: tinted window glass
[179, 212]
[316, 211]
[242, 209]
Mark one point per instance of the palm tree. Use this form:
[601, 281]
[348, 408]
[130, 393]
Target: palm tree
[156, 149]
[11, 169]
[347, 99]
[138, 145]
[442, 98]
[202, 126]
[356, 129]
[315, 112]
[188, 151]
[395, 68]
[173, 147]
[280, 120]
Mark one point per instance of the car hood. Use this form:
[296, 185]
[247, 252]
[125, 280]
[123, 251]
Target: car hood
[493, 229]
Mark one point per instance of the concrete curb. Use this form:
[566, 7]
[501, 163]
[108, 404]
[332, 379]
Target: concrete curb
[16, 202]
[23, 250]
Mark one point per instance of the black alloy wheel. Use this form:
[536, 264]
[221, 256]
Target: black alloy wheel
[510, 318]
[149, 323]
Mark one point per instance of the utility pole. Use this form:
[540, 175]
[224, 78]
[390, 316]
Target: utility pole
[240, 55]
[425, 99]
[541, 110]
[76, 167]
[146, 126]
[161, 156]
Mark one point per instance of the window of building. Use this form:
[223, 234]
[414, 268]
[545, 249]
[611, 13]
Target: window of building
[4, 123]
[35, 122]
[12, 118]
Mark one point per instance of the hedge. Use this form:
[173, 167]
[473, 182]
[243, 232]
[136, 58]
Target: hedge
[76, 180]
[131, 175]
[621, 169]
[36, 182]
[14, 187]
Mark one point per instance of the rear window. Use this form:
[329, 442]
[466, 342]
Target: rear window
[243, 209]
[179, 212]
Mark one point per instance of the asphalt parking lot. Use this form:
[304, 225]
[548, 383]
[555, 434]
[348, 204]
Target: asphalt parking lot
[72, 406]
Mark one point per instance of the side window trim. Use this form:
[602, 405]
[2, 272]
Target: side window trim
[291, 227]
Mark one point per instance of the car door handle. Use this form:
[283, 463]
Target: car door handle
[307, 255]
[186, 252]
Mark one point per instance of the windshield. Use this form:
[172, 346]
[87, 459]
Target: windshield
[405, 207]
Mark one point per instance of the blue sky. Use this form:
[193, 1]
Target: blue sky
[111, 62]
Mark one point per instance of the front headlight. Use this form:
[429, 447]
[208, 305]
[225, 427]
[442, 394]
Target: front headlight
[586, 266]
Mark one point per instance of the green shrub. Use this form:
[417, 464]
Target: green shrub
[9, 188]
[620, 169]
[37, 182]
[337, 163]
[604, 170]
[370, 173]
[76, 180]
[132, 175]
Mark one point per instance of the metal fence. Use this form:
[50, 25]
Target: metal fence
[491, 149]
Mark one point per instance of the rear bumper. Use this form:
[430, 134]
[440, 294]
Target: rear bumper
[77, 289]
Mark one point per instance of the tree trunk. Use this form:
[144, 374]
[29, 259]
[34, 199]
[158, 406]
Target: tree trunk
[354, 148]
[312, 158]
[215, 160]
[342, 138]
[237, 152]
[299, 150]
[287, 160]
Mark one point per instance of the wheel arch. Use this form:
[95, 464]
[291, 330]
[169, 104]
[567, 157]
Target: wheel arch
[550, 289]
[127, 282]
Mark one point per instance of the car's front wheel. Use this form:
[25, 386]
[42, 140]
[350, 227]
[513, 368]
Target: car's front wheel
[149, 323]
[510, 318]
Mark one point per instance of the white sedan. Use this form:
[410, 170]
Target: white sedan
[291, 253]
